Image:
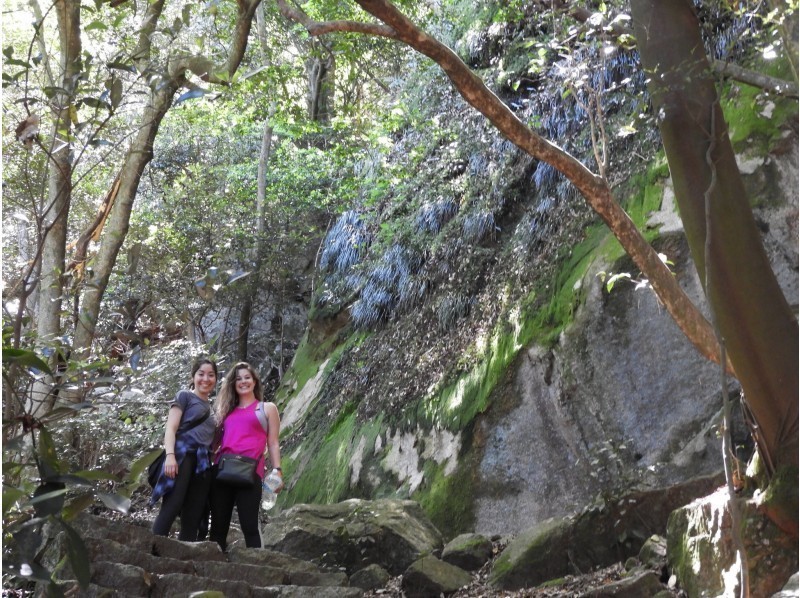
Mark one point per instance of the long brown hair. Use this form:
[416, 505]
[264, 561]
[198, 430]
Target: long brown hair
[228, 399]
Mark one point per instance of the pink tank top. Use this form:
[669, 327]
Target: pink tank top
[242, 434]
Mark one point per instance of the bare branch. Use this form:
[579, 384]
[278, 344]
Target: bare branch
[777, 86]
[316, 28]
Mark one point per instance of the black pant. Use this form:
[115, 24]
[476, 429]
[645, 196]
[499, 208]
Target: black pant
[188, 499]
[247, 501]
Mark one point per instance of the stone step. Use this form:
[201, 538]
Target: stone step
[129, 581]
[128, 561]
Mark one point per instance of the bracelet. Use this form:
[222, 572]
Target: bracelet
[170, 454]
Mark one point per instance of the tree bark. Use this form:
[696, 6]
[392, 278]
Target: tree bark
[246, 314]
[55, 213]
[751, 312]
[116, 228]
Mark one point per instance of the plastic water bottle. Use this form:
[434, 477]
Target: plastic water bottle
[271, 483]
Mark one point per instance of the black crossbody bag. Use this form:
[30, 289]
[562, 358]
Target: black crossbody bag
[238, 470]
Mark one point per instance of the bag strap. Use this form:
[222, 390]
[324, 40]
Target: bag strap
[261, 414]
[195, 423]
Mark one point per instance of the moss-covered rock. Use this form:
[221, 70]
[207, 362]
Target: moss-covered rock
[468, 551]
[430, 576]
[355, 533]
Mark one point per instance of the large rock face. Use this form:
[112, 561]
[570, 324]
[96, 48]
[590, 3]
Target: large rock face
[622, 399]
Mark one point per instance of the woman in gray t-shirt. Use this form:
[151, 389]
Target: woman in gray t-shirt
[185, 480]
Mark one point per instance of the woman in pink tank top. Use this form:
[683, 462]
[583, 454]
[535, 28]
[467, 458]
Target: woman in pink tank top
[242, 433]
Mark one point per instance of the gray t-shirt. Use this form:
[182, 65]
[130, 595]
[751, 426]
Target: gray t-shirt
[193, 408]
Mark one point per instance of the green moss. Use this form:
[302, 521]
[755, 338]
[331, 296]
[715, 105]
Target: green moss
[643, 193]
[751, 125]
[325, 476]
[306, 363]
[321, 466]
[448, 499]
[780, 498]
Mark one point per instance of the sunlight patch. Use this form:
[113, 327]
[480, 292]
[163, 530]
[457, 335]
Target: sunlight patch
[298, 405]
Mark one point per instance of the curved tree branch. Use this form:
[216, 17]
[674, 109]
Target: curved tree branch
[593, 188]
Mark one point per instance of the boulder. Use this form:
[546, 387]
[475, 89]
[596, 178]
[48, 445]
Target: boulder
[653, 554]
[701, 551]
[371, 577]
[355, 533]
[468, 551]
[430, 576]
[598, 537]
[129, 580]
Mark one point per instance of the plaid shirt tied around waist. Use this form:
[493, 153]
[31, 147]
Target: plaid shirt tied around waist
[165, 485]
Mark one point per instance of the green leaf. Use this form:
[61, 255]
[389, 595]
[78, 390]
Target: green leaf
[116, 91]
[15, 62]
[48, 459]
[11, 495]
[141, 464]
[78, 555]
[77, 505]
[63, 411]
[236, 275]
[95, 103]
[70, 478]
[121, 66]
[25, 358]
[48, 499]
[116, 502]
[98, 25]
[51, 90]
[95, 474]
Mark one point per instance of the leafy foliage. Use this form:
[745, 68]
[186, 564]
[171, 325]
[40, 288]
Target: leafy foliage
[345, 243]
[432, 216]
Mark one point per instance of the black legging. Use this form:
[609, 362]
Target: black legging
[188, 499]
[247, 501]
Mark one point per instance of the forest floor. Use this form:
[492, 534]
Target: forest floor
[588, 584]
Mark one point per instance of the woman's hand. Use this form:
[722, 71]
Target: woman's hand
[171, 466]
[280, 475]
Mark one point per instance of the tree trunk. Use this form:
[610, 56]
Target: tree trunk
[55, 214]
[139, 155]
[261, 219]
[753, 317]
[320, 88]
